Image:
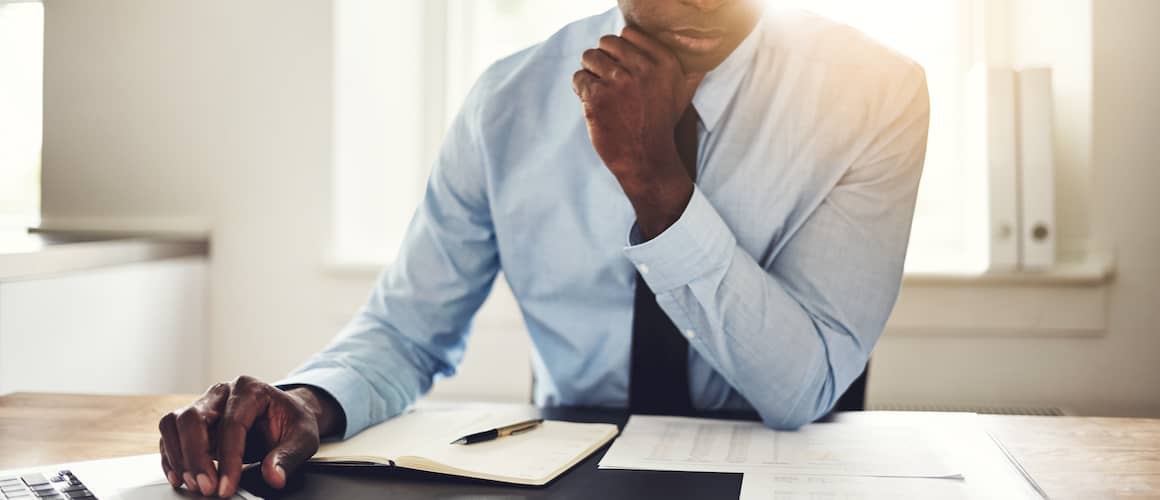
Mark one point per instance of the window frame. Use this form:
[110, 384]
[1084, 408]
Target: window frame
[23, 221]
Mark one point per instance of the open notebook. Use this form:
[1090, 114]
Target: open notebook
[420, 440]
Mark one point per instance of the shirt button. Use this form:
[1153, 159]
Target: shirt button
[689, 334]
[643, 268]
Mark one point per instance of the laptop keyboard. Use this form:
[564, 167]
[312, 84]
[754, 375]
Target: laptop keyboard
[60, 486]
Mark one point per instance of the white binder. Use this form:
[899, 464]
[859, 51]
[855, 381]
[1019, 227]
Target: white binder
[992, 204]
[1036, 168]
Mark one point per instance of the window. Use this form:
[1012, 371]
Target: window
[462, 37]
[21, 63]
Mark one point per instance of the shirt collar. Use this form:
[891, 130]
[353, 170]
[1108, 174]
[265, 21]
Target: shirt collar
[719, 85]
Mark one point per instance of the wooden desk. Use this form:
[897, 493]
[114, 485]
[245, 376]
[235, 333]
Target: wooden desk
[38, 429]
[1071, 457]
[1085, 457]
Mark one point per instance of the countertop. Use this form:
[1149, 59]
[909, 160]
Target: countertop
[31, 255]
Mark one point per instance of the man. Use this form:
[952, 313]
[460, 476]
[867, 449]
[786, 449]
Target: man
[698, 204]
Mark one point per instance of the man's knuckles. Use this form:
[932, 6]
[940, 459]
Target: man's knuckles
[168, 423]
[245, 382]
[591, 57]
[246, 387]
[189, 417]
[585, 86]
[217, 390]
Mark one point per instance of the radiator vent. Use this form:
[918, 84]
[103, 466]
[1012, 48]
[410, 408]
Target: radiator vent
[989, 410]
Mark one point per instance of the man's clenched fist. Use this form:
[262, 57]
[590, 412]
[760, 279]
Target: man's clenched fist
[283, 427]
[634, 91]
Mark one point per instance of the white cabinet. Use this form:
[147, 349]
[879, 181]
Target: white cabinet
[133, 328]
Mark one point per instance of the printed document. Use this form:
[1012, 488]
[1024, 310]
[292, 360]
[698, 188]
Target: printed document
[988, 472]
[774, 486]
[703, 445]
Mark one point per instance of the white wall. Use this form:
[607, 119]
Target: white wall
[221, 111]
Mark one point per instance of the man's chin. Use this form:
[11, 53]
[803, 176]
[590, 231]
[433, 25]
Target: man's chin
[701, 63]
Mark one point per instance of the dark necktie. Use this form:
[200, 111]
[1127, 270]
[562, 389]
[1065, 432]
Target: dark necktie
[659, 374]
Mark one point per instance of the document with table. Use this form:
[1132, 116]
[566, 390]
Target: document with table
[775, 486]
[702, 445]
[858, 456]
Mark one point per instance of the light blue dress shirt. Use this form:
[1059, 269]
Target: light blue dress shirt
[781, 272]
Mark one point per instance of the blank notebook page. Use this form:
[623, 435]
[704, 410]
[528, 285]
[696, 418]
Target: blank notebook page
[410, 433]
[539, 453]
[424, 437]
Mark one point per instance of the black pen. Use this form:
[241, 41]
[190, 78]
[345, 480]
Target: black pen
[507, 430]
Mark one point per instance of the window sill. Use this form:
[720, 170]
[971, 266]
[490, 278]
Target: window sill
[161, 227]
[1090, 271]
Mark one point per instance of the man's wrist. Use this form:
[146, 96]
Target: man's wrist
[327, 412]
[659, 187]
[654, 217]
[659, 197]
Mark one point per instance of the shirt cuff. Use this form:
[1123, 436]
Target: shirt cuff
[348, 389]
[697, 244]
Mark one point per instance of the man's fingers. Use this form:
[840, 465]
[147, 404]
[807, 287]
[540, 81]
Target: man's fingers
[625, 52]
[231, 447]
[169, 475]
[601, 64]
[187, 464]
[171, 446]
[195, 451]
[584, 83]
[285, 458]
[245, 403]
[657, 51]
[213, 402]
